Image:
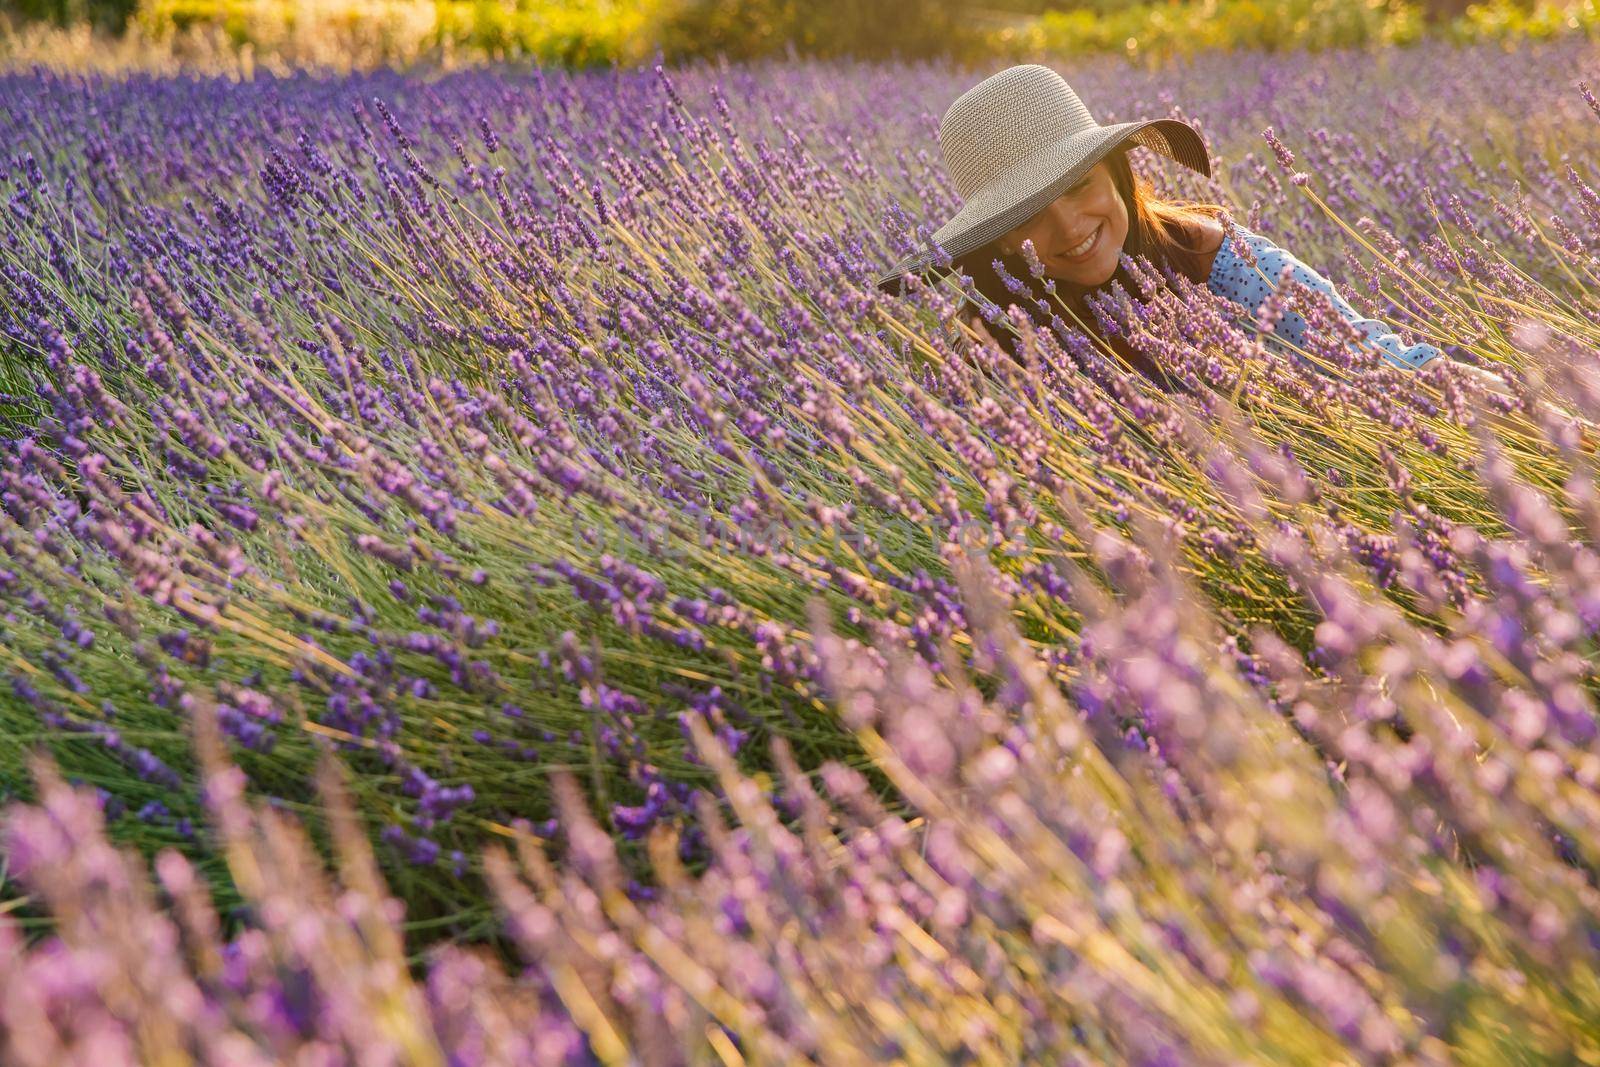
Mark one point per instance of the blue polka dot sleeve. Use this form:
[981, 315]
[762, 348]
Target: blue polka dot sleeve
[1249, 285]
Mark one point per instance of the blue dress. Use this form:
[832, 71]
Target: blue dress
[1235, 279]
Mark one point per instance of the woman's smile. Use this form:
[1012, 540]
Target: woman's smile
[1079, 234]
[1084, 248]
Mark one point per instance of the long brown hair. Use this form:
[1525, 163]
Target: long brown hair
[1168, 232]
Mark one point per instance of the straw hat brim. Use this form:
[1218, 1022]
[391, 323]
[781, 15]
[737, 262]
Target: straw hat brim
[1018, 193]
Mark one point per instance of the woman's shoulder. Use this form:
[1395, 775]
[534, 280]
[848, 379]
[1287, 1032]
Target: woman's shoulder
[1207, 236]
[1211, 234]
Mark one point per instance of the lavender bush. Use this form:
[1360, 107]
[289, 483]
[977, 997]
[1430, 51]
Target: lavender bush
[498, 426]
[1205, 888]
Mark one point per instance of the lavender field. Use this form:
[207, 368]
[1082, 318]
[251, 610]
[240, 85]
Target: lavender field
[485, 578]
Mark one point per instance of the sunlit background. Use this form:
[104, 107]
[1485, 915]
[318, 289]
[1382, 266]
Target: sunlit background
[486, 577]
[239, 35]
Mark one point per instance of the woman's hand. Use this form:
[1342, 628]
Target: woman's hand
[1588, 433]
[974, 320]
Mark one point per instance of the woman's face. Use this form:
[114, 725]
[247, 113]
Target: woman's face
[1091, 209]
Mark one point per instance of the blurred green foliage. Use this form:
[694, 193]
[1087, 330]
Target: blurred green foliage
[600, 32]
[1181, 27]
[743, 29]
[569, 32]
[111, 15]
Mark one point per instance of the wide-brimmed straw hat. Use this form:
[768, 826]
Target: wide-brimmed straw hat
[1019, 139]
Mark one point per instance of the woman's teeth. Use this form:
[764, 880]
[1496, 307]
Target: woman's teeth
[1073, 253]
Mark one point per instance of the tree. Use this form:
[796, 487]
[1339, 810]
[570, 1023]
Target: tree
[109, 15]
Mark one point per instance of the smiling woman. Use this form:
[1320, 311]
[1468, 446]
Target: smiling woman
[1116, 211]
[1034, 168]
[1081, 233]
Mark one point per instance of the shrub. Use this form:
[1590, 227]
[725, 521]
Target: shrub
[499, 423]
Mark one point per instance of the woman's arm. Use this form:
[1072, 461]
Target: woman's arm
[1588, 433]
[1270, 261]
